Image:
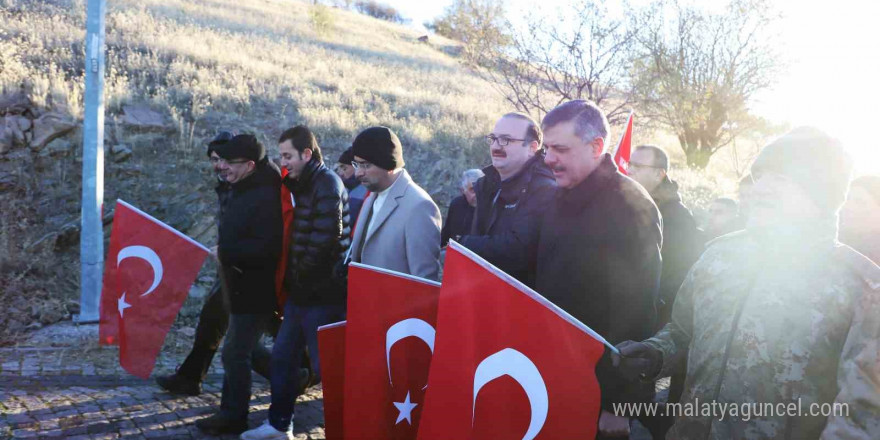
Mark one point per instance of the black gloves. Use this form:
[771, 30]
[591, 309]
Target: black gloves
[637, 360]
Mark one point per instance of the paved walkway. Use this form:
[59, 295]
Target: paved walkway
[60, 384]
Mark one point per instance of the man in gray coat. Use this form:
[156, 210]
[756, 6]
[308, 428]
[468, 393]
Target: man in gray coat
[399, 225]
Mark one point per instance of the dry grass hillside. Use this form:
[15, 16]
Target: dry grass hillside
[252, 66]
[177, 72]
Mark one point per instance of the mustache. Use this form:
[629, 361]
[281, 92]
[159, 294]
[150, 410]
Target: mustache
[499, 153]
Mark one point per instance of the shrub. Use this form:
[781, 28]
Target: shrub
[378, 10]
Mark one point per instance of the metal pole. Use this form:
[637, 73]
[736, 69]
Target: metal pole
[92, 234]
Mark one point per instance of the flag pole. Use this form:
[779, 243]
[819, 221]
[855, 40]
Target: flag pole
[92, 233]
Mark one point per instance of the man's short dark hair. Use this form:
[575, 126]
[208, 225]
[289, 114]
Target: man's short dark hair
[533, 131]
[302, 138]
[726, 201]
[659, 158]
[590, 121]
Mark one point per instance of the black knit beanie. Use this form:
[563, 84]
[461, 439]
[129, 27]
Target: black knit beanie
[221, 138]
[243, 146]
[379, 146]
[346, 157]
[814, 160]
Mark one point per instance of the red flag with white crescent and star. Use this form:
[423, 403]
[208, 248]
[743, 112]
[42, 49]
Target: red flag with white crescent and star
[150, 268]
[508, 364]
[331, 351]
[624, 148]
[389, 342]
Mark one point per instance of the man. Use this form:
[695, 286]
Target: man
[860, 217]
[356, 192]
[771, 314]
[399, 228]
[461, 210]
[320, 237]
[516, 190]
[214, 317]
[598, 249]
[248, 251]
[682, 245]
[723, 218]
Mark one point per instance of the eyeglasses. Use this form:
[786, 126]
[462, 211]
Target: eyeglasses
[640, 165]
[503, 141]
[358, 165]
[219, 160]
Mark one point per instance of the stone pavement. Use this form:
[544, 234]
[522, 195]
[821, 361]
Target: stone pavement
[60, 384]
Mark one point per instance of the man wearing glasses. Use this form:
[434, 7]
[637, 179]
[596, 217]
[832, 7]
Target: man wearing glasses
[682, 245]
[399, 224]
[214, 317]
[515, 190]
[249, 247]
[681, 240]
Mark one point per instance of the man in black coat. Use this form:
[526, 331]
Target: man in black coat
[682, 241]
[460, 215]
[682, 246]
[511, 197]
[248, 250]
[214, 317]
[598, 249]
[320, 237]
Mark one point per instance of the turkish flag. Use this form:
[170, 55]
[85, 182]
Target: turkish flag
[152, 268]
[389, 343]
[508, 364]
[624, 148]
[331, 350]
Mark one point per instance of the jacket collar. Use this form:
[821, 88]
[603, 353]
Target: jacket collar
[262, 175]
[304, 180]
[395, 191]
[666, 192]
[582, 194]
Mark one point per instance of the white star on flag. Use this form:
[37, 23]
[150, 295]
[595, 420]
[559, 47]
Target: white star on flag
[122, 305]
[405, 409]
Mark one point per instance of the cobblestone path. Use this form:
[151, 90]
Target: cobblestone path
[78, 390]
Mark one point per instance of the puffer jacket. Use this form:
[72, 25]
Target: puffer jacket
[249, 244]
[765, 316]
[320, 237]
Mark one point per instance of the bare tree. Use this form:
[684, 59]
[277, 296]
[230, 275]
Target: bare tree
[699, 71]
[477, 24]
[580, 53]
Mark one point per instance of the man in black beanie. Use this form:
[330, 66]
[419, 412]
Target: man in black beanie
[773, 313]
[249, 246]
[399, 227]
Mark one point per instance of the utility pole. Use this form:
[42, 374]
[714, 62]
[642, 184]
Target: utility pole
[91, 248]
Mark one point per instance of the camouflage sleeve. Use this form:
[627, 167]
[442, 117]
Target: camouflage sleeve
[676, 335]
[858, 376]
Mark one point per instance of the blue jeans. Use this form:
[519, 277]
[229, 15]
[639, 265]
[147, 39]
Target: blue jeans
[299, 329]
[241, 350]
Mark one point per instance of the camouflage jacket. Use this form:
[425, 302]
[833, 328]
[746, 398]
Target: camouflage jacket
[765, 319]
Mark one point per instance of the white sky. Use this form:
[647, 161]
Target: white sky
[833, 78]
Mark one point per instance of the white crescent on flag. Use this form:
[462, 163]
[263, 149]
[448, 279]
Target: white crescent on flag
[521, 369]
[147, 255]
[404, 329]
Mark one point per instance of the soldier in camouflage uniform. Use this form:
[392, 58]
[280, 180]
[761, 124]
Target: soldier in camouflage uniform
[771, 315]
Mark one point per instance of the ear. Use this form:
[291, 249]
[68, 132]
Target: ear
[598, 146]
[534, 147]
[307, 154]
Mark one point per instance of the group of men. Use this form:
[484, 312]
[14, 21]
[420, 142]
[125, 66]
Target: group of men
[770, 314]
